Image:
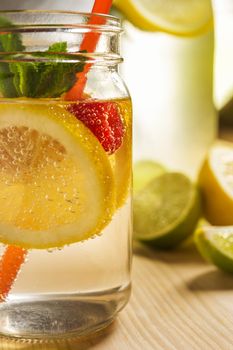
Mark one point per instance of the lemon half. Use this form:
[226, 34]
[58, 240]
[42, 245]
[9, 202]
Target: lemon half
[56, 182]
[216, 182]
[179, 17]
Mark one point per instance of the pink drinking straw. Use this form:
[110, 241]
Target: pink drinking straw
[14, 257]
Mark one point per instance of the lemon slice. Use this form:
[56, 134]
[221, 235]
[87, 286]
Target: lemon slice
[121, 160]
[122, 172]
[56, 182]
[216, 245]
[180, 17]
[216, 182]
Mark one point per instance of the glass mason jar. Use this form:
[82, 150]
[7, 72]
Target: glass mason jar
[65, 176]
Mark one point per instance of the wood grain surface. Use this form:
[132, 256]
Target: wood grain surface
[179, 302]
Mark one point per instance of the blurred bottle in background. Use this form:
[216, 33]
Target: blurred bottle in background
[223, 11]
[170, 76]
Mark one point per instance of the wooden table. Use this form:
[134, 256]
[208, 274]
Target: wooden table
[178, 302]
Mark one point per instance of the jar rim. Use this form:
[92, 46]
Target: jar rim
[64, 25]
[55, 18]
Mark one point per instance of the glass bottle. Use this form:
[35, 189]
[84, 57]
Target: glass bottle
[170, 78]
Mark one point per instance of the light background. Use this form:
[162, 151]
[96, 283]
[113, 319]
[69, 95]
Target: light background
[69, 5]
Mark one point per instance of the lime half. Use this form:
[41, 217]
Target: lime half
[166, 211]
[144, 171]
[216, 245]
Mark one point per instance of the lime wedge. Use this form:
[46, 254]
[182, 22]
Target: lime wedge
[216, 245]
[166, 211]
[144, 172]
[179, 17]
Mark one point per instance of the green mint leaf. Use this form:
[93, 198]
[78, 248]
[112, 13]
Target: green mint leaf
[7, 87]
[25, 76]
[9, 42]
[51, 78]
[58, 47]
[49, 75]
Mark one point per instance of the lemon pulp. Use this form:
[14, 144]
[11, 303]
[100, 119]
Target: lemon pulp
[216, 183]
[56, 183]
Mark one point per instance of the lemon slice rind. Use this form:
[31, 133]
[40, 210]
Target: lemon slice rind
[216, 183]
[84, 150]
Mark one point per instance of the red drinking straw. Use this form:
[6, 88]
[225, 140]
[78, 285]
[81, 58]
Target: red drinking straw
[89, 44]
[10, 263]
[14, 257]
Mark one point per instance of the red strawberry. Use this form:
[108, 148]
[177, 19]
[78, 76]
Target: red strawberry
[104, 120]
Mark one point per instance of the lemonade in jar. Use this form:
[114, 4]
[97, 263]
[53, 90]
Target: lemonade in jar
[168, 48]
[65, 175]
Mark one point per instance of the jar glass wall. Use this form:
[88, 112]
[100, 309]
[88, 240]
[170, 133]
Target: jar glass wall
[65, 176]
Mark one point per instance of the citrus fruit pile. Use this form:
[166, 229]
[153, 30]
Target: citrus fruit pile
[215, 242]
[167, 206]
